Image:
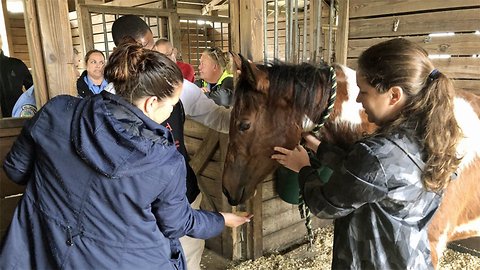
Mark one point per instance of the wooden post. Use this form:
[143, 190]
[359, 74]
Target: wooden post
[341, 46]
[234, 37]
[250, 28]
[248, 35]
[51, 50]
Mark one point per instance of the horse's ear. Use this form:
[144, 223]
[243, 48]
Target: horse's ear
[257, 78]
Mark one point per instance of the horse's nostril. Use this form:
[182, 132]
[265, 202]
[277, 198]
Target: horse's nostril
[232, 202]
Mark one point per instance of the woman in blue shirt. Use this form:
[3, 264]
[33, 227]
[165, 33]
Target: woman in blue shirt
[91, 81]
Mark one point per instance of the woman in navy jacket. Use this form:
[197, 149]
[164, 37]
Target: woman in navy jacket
[105, 183]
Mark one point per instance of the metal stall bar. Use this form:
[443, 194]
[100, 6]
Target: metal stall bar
[265, 38]
[205, 35]
[105, 36]
[318, 39]
[188, 43]
[159, 31]
[297, 35]
[198, 41]
[305, 19]
[221, 33]
[288, 31]
[331, 15]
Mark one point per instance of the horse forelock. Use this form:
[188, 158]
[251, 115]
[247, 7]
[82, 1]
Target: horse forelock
[305, 87]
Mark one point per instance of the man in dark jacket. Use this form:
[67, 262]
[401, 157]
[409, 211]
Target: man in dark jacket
[13, 75]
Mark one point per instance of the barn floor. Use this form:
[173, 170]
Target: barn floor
[319, 257]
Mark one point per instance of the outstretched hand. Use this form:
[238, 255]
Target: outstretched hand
[292, 159]
[235, 220]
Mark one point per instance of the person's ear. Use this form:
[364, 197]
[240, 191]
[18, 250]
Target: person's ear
[396, 94]
[147, 105]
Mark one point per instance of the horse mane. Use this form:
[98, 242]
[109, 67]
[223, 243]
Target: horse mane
[301, 85]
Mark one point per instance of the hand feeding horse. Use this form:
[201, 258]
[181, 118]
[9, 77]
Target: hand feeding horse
[271, 105]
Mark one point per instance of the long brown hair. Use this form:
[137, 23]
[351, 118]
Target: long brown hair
[429, 106]
[137, 72]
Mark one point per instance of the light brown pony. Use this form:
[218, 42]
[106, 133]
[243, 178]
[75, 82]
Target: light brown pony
[268, 112]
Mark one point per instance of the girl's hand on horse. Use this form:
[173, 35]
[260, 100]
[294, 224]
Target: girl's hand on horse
[311, 141]
[292, 159]
[235, 220]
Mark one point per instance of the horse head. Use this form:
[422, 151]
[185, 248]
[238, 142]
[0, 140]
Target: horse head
[270, 106]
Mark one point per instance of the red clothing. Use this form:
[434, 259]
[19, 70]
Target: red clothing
[187, 71]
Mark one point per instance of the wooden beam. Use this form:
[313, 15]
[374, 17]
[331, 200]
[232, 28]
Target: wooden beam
[234, 26]
[251, 29]
[207, 9]
[341, 45]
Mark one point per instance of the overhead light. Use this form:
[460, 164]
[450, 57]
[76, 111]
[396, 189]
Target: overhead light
[15, 6]
[439, 56]
[442, 34]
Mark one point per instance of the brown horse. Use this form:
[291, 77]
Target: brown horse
[271, 103]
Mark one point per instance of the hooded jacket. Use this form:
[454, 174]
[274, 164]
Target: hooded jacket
[377, 198]
[105, 190]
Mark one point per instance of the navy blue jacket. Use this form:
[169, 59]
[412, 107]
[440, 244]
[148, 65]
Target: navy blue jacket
[105, 190]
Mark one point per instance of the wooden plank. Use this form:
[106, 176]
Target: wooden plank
[469, 85]
[365, 8]
[275, 206]
[443, 21]
[280, 221]
[284, 238]
[57, 48]
[341, 45]
[8, 187]
[192, 145]
[294, 234]
[205, 151]
[213, 170]
[254, 227]
[7, 208]
[195, 129]
[251, 29]
[459, 44]
[36, 56]
[268, 191]
[129, 10]
[454, 68]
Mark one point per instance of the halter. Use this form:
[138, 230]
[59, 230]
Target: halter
[302, 207]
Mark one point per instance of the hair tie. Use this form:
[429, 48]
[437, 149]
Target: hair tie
[433, 75]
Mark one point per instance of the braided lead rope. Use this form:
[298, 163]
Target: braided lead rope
[330, 104]
[302, 207]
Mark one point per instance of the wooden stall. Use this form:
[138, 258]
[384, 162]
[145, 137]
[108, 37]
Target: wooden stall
[333, 31]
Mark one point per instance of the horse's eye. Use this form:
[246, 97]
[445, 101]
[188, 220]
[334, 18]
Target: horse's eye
[243, 126]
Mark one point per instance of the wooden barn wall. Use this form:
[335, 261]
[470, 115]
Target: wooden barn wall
[372, 21]
[18, 36]
[199, 34]
[10, 193]
[299, 34]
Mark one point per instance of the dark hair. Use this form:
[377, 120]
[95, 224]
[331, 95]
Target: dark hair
[128, 26]
[137, 72]
[87, 56]
[429, 104]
